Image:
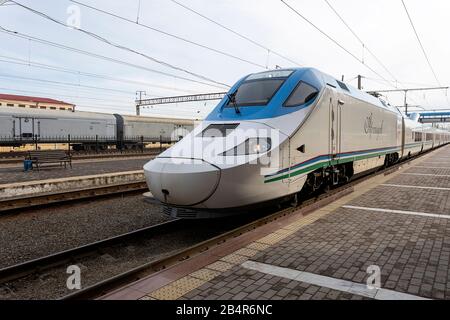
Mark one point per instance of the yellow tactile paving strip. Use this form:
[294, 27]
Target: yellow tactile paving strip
[180, 287]
[205, 274]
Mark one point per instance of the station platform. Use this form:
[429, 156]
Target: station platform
[15, 173]
[389, 239]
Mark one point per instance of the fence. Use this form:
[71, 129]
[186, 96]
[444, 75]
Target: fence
[89, 142]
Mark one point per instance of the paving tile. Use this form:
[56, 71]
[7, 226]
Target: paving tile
[205, 274]
[220, 266]
[412, 252]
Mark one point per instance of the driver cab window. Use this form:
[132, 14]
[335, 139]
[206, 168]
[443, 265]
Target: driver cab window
[302, 94]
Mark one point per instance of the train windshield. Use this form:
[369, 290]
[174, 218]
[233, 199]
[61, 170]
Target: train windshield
[258, 89]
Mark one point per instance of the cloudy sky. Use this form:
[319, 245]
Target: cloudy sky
[174, 51]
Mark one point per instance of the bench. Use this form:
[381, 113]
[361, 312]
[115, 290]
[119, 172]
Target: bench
[49, 156]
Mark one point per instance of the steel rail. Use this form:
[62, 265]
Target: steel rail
[11, 205]
[21, 270]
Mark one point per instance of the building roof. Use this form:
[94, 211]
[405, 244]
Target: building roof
[13, 97]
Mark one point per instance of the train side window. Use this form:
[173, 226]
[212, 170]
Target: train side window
[417, 136]
[342, 85]
[302, 94]
[218, 130]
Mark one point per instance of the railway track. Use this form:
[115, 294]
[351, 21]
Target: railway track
[106, 285]
[12, 205]
[17, 157]
[41, 264]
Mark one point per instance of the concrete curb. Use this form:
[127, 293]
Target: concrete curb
[63, 184]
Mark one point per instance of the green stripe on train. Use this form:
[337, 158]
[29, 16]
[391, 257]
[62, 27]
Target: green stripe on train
[334, 162]
[326, 164]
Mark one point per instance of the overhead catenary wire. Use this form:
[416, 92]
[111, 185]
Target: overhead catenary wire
[70, 89]
[119, 46]
[240, 35]
[334, 41]
[79, 101]
[63, 95]
[380, 81]
[420, 43]
[64, 83]
[423, 49]
[403, 82]
[413, 99]
[35, 64]
[360, 40]
[132, 108]
[170, 34]
[101, 57]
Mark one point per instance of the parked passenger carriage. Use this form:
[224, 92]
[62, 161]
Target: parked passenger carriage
[323, 131]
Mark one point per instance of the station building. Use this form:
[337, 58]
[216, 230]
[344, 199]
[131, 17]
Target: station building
[11, 100]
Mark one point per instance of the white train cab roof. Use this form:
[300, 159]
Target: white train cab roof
[276, 87]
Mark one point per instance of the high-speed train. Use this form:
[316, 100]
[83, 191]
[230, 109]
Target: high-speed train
[277, 135]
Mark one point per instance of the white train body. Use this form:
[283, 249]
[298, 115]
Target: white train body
[168, 129]
[26, 122]
[307, 131]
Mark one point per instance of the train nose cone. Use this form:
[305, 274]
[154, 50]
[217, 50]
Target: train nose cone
[182, 182]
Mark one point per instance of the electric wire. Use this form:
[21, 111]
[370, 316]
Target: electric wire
[236, 33]
[360, 41]
[169, 34]
[101, 57]
[34, 64]
[119, 46]
[333, 40]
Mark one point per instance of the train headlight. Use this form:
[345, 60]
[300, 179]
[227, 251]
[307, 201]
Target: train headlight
[250, 146]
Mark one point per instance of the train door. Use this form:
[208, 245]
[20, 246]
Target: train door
[285, 160]
[336, 102]
[27, 127]
[23, 127]
[400, 135]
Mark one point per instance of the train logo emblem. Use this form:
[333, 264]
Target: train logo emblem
[370, 128]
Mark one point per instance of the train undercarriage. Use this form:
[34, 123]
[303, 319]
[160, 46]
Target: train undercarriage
[326, 178]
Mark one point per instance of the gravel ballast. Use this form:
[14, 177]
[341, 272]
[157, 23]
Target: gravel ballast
[41, 232]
